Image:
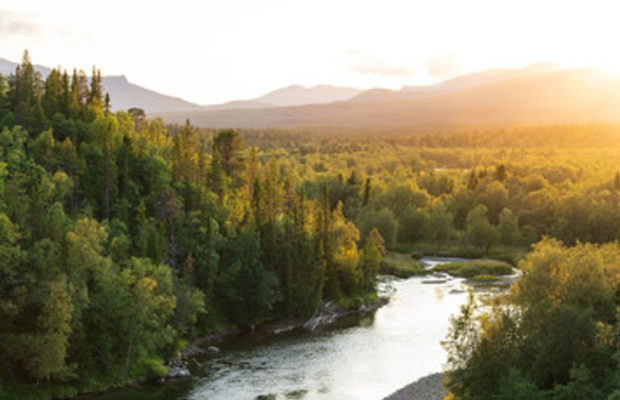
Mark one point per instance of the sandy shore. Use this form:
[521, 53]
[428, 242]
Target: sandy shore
[427, 388]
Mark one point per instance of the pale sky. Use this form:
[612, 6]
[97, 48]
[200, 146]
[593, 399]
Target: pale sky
[214, 51]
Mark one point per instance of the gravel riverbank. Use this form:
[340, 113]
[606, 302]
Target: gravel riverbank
[427, 388]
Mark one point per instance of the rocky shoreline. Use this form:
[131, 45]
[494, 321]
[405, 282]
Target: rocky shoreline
[427, 388]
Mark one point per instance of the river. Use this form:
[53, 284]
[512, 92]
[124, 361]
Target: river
[365, 359]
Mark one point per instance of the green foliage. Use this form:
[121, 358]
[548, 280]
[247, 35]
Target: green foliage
[370, 260]
[480, 233]
[551, 338]
[254, 288]
[122, 238]
[517, 387]
[112, 201]
[383, 220]
[508, 227]
[413, 226]
[440, 222]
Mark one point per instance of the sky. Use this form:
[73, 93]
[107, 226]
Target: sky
[214, 51]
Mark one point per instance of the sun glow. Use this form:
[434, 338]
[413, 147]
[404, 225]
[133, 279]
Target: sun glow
[242, 48]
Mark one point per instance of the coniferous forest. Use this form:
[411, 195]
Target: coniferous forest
[123, 238]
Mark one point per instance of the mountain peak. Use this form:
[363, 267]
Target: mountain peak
[117, 78]
[295, 95]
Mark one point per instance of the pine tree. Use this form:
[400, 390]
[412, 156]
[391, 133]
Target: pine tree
[4, 101]
[65, 97]
[472, 182]
[75, 104]
[366, 192]
[107, 106]
[52, 97]
[39, 121]
[500, 173]
[227, 144]
[95, 97]
[24, 94]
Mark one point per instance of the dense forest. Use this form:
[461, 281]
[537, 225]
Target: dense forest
[123, 238]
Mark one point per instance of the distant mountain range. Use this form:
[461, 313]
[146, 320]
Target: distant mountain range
[291, 96]
[540, 93]
[125, 94]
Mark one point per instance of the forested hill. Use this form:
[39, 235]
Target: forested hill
[121, 240]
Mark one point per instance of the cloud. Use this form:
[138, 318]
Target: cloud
[443, 66]
[365, 64]
[18, 26]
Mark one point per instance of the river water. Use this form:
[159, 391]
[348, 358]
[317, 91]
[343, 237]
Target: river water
[365, 359]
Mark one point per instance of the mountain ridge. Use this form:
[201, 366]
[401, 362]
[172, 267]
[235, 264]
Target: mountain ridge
[538, 93]
[557, 96]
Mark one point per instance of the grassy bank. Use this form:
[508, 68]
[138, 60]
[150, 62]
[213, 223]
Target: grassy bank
[477, 270]
[401, 265]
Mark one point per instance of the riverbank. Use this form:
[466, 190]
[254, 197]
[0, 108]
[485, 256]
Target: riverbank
[427, 388]
[329, 363]
[329, 314]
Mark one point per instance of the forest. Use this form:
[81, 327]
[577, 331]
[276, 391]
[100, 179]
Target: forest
[123, 238]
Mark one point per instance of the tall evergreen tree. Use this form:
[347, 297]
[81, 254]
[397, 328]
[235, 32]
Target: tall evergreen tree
[95, 97]
[52, 98]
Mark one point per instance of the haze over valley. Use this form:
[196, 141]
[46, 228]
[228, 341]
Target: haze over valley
[310, 200]
[540, 93]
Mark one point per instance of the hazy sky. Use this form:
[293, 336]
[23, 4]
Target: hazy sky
[213, 51]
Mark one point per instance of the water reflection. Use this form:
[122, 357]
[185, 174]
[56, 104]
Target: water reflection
[359, 360]
[366, 361]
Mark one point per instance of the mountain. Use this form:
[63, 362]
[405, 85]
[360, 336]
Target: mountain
[8, 67]
[487, 77]
[294, 95]
[458, 84]
[299, 95]
[124, 94]
[540, 93]
[539, 96]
